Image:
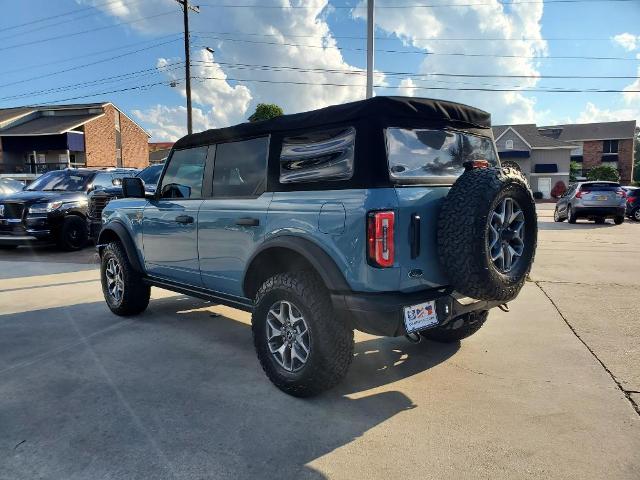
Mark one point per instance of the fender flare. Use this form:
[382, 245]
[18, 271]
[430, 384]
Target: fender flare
[120, 231]
[319, 259]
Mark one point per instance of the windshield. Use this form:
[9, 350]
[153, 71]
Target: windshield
[62, 180]
[150, 175]
[434, 156]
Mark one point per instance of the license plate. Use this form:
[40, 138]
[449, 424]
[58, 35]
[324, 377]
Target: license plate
[602, 197]
[420, 316]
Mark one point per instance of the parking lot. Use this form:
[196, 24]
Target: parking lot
[549, 390]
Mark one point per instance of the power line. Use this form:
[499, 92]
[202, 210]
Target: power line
[360, 37]
[91, 30]
[64, 14]
[412, 74]
[86, 64]
[288, 44]
[434, 5]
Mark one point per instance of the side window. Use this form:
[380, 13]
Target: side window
[183, 178]
[240, 169]
[102, 180]
[325, 155]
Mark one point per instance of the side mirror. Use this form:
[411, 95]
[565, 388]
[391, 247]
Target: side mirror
[133, 187]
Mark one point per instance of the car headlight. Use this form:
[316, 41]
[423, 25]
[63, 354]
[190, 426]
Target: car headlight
[45, 207]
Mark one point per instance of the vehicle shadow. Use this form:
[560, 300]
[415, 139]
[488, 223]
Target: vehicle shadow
[580, 224]
[176, 391]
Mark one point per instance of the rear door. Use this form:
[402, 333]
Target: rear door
[232, 222]
[169, 225]
[424, 163]
[600, 194]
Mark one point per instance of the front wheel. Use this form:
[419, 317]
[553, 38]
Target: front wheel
[73, 234]
[123, 289]
[556, 216]
[303, 347]
[457, 329]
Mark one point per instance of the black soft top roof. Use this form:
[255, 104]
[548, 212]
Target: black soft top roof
[383, 110]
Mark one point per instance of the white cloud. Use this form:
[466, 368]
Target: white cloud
[628, 41]
[227, 102]
[424, 27]
[592, 113]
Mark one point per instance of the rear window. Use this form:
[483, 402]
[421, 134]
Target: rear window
[434, 156]
[600, 187]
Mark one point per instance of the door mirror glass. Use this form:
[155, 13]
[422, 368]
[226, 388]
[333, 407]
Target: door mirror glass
[132, 187]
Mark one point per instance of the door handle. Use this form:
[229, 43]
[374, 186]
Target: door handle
[248, 222]
[185, 219]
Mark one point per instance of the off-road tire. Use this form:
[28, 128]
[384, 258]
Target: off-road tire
[571, 217]
[463, 230]
[73, 234]
[458, 328]
[618, 219]
[135, 297]
[331, 339]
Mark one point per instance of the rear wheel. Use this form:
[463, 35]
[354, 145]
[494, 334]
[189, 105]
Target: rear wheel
[618, 219]
[73, 234]
[303, 347]
[571, 217]
[123, 289]
[458, 328]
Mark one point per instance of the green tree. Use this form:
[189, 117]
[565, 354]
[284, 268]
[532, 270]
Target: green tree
[604, 172]
[575, 170]
[265, 111]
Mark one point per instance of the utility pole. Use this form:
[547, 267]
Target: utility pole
[187, 58]
[371, 26]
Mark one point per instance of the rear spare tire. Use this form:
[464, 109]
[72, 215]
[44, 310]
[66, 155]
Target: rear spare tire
[487, 233]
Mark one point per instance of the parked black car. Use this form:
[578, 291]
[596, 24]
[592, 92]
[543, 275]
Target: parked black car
[98, 199]
[53, 208]
[633, 202]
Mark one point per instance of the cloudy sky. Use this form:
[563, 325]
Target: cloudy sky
[303, 54]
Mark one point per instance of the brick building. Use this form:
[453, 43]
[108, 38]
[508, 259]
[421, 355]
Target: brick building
[41, 138]
[604, 143]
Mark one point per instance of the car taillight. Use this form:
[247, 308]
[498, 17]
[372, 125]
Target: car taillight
[621, 194]
[580, 193]
[380, 246]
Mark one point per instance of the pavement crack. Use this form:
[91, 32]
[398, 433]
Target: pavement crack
[626, 393]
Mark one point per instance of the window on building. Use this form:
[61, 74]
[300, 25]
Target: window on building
[183, 178]
[610, 147]
[326, 155]
[240, 168]
[508, 144]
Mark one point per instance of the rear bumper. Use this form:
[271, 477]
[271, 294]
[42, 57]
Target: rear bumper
[599, 211]
[382, 313]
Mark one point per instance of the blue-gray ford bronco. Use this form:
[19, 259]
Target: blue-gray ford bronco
[390, 215]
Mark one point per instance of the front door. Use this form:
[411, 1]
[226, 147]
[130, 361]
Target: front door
[232, 222]
[169, 228]
[544, 186]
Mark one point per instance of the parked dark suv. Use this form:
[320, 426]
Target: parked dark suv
[99, 198]
[53, 208]
[389, 215]
[633, 202]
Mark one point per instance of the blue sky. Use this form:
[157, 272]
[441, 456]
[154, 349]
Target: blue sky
[58, 57]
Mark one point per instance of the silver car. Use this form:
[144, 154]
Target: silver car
[595, 201]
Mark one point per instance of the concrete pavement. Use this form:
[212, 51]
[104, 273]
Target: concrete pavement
[178, 392]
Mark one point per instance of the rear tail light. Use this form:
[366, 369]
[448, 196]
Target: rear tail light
[621, 194]
[581, 193]
[380, 246]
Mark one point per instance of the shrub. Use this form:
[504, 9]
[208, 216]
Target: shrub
[558, 189]
[537, 195]
[604, 173]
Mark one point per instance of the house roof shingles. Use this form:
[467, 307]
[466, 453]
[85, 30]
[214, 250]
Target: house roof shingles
[594, 131]
[48, 125]
[529, 132]
[7, 114]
